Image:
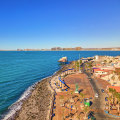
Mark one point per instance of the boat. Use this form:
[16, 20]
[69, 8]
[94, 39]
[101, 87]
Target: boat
[63, 60]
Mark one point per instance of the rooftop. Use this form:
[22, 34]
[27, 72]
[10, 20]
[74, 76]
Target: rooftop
[117, 88]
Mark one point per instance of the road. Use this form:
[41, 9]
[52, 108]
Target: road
[98, 103]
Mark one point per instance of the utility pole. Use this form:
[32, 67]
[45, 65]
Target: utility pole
[76, 66]
[79, 63]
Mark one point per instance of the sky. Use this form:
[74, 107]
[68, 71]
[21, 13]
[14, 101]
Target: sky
[64, 23]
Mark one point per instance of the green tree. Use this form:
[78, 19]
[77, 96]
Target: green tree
[63, 117]
[113, 78]
[82, 96]
[105, 61]
[86, 110]
[112, 91]
[79, 117]
[118, 99]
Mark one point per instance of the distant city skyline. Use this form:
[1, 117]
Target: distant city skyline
[78, 48]
[39, 24]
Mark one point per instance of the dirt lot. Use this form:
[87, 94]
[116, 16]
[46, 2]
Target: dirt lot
[68, 104]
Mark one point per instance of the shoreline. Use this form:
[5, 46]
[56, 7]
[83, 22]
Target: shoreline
[52, 50]
[38, 100]
[16, 109]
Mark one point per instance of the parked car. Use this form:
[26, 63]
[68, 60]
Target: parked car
[89, 78]
[96, 95]
[102, 90]
[106, 98]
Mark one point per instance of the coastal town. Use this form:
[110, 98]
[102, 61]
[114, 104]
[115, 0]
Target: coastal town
[88, 88]
[93, 92]
[60, 60]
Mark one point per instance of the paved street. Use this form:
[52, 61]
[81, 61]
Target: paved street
[98, 103]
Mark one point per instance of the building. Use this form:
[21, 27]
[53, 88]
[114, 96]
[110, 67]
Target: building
[78, 48]
[56, 49]
[117, 88]
[68, 49]
[96, 57]
[98, 72]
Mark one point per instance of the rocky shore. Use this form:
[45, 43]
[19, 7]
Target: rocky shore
[38, 106]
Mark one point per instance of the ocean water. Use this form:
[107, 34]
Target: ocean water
[21, 69]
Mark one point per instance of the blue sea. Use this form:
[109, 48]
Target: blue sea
[21, 69]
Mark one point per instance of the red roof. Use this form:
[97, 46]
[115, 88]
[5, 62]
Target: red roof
[99, 70]
[117, 88]
[98, 64]
[104, 70]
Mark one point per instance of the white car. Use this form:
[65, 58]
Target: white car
[96, 95]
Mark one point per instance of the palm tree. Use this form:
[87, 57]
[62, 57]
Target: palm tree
[119, 103]
[119, 77]
[114, 95]
[113, 78]
[61, 98]
[63, 114]
[109, 100]
[78, 117]
[76, 65]
[118, 99]
[112, 91]
[86, 110]
[75, 108]
[105, 61]
[71, 93]
[82, 95]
